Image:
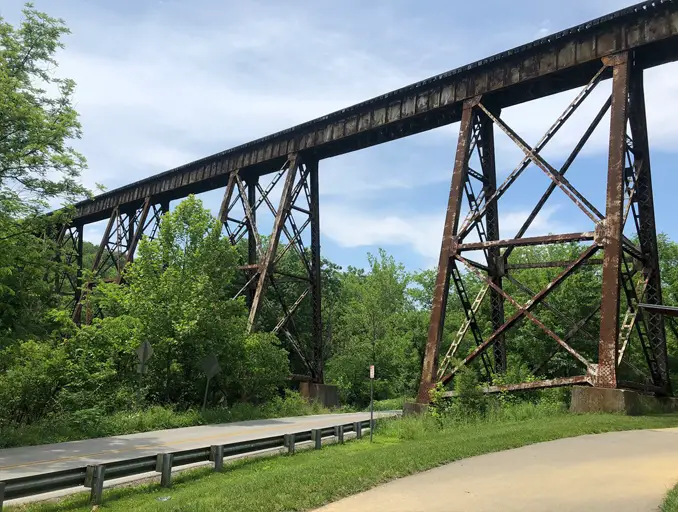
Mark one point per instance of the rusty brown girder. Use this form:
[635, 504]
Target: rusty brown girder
[631, 180]
[296, 214]
[552, 64]
[118, 245]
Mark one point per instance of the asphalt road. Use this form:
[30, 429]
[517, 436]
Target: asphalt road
[616, 472]
[33, 460]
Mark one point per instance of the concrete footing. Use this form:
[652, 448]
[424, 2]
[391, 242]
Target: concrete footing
[590, 399]
[323, 393]
[412, 408]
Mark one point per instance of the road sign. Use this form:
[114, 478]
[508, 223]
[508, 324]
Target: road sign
[142, 369]
[210, 366]
[144, 352]
[371, 371]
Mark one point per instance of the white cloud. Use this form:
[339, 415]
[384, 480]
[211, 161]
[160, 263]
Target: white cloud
[356, 227]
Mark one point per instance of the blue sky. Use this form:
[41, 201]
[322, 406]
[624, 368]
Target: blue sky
[163, 82]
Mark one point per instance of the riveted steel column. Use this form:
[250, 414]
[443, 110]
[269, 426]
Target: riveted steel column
[316, 291]
[647, 234]
[78, 259]
[447, 250]
[251, 238]
[612, 243]
[494, 260]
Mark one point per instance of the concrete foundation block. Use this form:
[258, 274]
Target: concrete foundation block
[325, 394]
[592, 399]
[412, 408]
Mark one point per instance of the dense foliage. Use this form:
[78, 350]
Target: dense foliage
[178, 293]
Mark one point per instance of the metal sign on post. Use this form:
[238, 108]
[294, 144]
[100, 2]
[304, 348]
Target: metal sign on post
[210, 366]
[371, 400]
[144, 353]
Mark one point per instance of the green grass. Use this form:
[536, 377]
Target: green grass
[671, 501]
[312, 478]
[92, 423]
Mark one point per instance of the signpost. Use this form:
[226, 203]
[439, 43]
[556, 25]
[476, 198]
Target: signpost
[371, 400]
[144, 353]
[210, 366]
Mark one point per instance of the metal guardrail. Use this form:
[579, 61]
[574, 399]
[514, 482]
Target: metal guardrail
[93, 476]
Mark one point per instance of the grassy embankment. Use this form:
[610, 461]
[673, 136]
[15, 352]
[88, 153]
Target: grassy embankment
[671, 501]
[401, 447]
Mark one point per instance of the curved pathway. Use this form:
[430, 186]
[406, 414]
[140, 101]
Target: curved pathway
[618, 472]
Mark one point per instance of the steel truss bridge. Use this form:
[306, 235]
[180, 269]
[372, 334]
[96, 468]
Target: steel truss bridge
[616, 47]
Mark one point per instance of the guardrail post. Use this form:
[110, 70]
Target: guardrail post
[95, 478]
[217, 455]
[289, 443]
[358, 429]
[317, 438]
[163, 466]
[2, 494]
[339, 433]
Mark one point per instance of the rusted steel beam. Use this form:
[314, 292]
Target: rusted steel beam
[546, 305]
[442, 286]
[612, 244]
[535, 240]
[139, 233]
[563, 169]
[568, 189]
[525, 309]
[660, 309]
[461, 332]
[647, 232]
[267, 263]
[548, 264]
[642, 386]
[520, 313]
[540, 384]
[474, 217]
[252, 232]
[485, 146]
[552, 64]
[290, 312]
[316, 271]
[478, 265]
[570, 334]
[77, 312]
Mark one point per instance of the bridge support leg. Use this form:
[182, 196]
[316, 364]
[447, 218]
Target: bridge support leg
[613, 227]
[495, 262]
[118, 245]
[266, 273]
[447, 250]
[647, 234]
[252, 248]
[316, 276]
[629, 191]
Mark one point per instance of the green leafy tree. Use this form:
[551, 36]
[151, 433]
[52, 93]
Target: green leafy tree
[37, 167]
[179, 293]
[373, 326]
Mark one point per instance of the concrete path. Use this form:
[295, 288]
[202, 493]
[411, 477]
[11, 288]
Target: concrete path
[617, 472]
[33, 460]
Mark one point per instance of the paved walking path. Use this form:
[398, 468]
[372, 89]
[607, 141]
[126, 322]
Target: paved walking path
[617, 472]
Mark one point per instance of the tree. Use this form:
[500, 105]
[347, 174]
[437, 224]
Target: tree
[373, 324]
[179, 294]
[37, 167]
[37, 119]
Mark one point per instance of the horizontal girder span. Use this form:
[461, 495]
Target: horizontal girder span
[547, 66]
